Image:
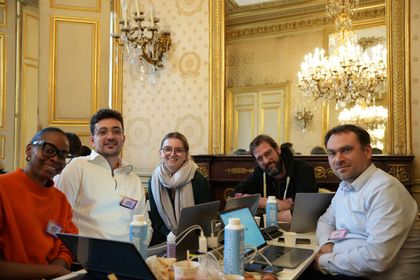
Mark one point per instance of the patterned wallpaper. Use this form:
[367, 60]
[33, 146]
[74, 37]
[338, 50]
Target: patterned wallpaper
[415, 89]
[179, 100]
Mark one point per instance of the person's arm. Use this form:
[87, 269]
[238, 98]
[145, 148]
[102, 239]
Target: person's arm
[389, 220]
[14, 270]
[250, 186]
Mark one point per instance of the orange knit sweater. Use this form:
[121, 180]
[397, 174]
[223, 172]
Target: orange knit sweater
[25, 211]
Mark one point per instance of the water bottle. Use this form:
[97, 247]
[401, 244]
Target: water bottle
[171, 245]
[271, 212]
[139, 233]
[234, 247]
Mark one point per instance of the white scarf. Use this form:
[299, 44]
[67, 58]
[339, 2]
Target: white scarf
[181, 181]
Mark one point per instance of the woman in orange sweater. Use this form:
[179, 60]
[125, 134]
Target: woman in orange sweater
[32, 211]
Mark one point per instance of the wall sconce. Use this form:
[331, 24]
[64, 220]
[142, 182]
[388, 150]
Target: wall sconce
[304, 115]
[143, 42]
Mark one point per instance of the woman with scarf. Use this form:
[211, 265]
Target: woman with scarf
[175, 183]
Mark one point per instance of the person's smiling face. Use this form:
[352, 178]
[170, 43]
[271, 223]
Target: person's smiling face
[173, 154]
[108, 138]
[347, 158]
[42, 167]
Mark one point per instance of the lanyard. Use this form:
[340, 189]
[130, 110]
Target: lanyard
[287, 186]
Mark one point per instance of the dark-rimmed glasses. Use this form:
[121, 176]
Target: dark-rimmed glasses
[168, 150]
[50, 150]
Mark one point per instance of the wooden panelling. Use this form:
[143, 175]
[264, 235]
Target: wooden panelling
[77, 5]
[2, 146]
[2, 78]
[3, 15]
[30, 40]
[74, 70]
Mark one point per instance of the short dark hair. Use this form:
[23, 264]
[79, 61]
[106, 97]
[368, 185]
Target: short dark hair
[362, 135]
[105, 114]
[75, 143]
[260, 139]
[179, 136]
[39, 134]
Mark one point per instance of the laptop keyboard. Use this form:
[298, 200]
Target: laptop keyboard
[272, 253]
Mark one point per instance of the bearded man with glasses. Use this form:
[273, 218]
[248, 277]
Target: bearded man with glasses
[277, 174]
[32, 212]
[102, 189]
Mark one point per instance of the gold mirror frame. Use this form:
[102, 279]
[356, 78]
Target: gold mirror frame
[399, 131]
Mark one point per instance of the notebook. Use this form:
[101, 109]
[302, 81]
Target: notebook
[250, 201]
[200, 214]
[308, 207]
[284, 256]
[101, 257]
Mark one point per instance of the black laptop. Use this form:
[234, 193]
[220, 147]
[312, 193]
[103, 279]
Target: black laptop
[101, 257]
[278, 255]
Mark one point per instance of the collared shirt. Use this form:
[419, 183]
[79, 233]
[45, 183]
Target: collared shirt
[95, 192]
[383, 239]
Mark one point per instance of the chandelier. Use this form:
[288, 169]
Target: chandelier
[350, 74]
[372, 118]
[144, 44]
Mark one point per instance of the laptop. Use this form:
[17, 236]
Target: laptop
[250, 201]
[200, 214]
[308, 207]
[278, 255]
[101, 257]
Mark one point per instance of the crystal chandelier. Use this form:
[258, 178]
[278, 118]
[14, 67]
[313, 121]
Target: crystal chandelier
[372, 118]
[350, 74]
[144, 44]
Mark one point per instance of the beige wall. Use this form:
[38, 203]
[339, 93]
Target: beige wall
[180, 99]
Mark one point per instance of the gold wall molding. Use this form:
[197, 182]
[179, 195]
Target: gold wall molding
[94, 83]
[3, 14]
[2, 146]
[399, 133]
[60, 4]
[217, 77]
[2, 78]
[265, 26]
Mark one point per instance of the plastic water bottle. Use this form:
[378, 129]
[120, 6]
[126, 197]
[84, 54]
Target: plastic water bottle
[171, 245]
[271, 212]
[234, 247]
[139, 233]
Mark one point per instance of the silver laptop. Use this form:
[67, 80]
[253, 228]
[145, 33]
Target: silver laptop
[307, 209]
[200, 214]
[278, 255]
[250, 201]
[101, 257]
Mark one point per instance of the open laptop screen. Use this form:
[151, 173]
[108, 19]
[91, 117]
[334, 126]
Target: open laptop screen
[253, 235]
[103, 257]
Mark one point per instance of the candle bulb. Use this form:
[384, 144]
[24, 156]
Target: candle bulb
[137, 8]
[151, 16]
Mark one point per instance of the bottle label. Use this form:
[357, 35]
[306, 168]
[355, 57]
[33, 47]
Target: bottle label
[138, 236]
[272, 214]
[234, 251]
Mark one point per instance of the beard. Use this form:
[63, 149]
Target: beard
[276, 169]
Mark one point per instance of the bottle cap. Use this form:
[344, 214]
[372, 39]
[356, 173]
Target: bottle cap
[272, 198]
[234, 221]
[171, 237]
[138, 218]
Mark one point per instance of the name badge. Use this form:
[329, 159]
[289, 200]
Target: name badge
[129, 203]
[53, 228]
[338, 234]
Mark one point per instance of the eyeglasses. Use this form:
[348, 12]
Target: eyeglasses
[117, 131]
[49, 150]
[168, 150]
[267, 155]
